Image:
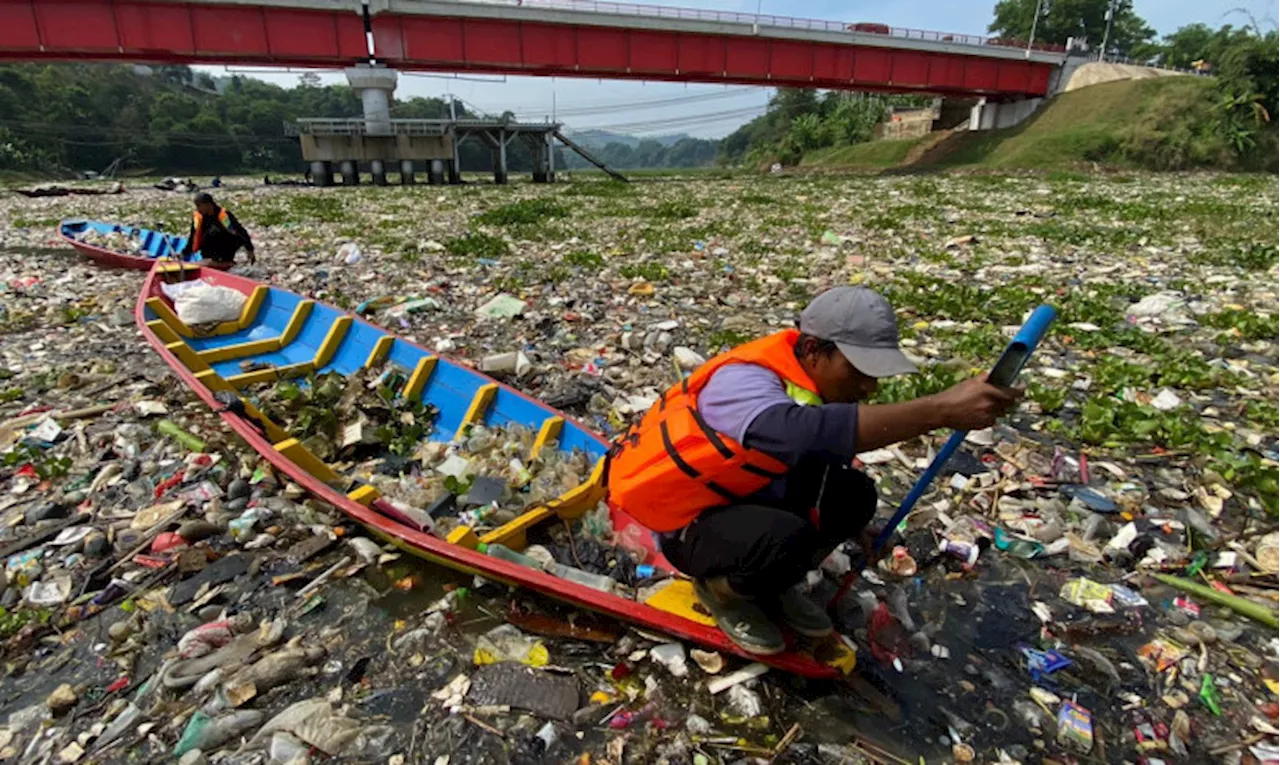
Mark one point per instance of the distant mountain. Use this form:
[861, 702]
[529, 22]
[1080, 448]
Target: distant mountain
[598, 139]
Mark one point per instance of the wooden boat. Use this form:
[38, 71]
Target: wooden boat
[150, 244]
[296, 336]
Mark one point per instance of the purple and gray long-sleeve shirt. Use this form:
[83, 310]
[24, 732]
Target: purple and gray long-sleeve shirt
[749, 403]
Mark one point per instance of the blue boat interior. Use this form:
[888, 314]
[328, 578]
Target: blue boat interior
[282, 335]
[154, 244]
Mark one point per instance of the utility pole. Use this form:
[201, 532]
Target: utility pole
[1035, 21]
[1106, 34]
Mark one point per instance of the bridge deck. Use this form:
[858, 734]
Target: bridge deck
[569, 38]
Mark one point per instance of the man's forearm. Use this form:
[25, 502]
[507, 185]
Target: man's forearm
[884, 424]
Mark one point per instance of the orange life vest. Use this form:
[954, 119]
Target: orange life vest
[197, 219]
[671, 466]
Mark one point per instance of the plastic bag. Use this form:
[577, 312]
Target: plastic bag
[204, 304]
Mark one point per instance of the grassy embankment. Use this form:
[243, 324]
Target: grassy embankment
[1157, 124]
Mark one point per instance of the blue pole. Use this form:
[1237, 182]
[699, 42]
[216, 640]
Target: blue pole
[1004, 373]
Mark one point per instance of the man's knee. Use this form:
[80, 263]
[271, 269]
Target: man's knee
[848, 503]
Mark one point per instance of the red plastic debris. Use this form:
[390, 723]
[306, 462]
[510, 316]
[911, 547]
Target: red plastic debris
[150, 561]
[166, 541]
[119, 685]
[168, 484]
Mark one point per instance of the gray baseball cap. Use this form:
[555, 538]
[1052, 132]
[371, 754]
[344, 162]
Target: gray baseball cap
[862, 325]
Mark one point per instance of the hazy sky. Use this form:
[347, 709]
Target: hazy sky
[711, 111]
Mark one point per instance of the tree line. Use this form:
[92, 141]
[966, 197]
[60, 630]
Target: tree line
[60, 117]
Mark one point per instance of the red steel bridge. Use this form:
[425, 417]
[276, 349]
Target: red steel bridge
[563, 38]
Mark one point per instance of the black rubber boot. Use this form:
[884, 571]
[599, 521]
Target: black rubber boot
[802, 614]
[739, 618]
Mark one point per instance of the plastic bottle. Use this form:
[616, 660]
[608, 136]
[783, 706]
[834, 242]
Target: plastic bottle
[506, 553]
[633, 539]
[585, 578]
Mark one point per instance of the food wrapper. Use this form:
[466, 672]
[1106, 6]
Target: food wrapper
[1075, 727]
[1088, 594]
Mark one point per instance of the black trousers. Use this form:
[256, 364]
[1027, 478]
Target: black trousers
[763, 549]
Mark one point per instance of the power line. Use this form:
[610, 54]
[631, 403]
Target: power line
[625, 106]
[685, 121]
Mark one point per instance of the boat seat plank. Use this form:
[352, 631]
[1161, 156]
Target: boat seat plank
[285, 372]
[231, 367]
[549, 431]
[303, 458]
[513, 534]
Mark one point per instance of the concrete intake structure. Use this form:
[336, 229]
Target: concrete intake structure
[418, 144]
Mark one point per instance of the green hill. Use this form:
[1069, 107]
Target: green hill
[1166, 123]
[870, 155]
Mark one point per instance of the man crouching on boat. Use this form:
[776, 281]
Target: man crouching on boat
[216, 235]
[744, 468]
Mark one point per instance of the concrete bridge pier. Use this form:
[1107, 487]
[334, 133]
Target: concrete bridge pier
[986, 115]
[350, 173]
[435, 172]
[406, 172]
[543, 162]
[378, 171]
[374, 85]
[321, 173]
[453, 167]
[499, 146]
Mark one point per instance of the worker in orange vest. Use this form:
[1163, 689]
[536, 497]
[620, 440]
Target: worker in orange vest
[744, 468]
[216, 235]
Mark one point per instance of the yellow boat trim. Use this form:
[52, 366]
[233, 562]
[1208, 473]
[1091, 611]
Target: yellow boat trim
[418, 380]
[213, 381]
[249, 312]
[465, 536]
[332, 340]
[514, 533]
[479, 405]
[274, 373]
[302, 457]
[163, 331]
[678, 598]
[240, 350]
[550, 431]
[189, 358]
[299, 317]
[365, 494]
[174, 267]
[380, 351]
[274, 432]
[162, 311]
[573, 504]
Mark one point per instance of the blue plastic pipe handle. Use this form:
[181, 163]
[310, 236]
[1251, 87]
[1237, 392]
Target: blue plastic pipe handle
[1004, 373]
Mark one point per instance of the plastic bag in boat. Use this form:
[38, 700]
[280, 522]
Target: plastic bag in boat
[205, 303]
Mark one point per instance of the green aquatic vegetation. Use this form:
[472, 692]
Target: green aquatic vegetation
[671, 209]
[584, 259]
[524, 212]
[477, 244]
[931, 379]
[650, 271]
[1250, 325]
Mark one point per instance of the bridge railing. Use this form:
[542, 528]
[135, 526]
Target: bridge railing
[785, 22]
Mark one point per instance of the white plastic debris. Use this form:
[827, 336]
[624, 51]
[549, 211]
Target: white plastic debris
[208, 304]
[670, 656]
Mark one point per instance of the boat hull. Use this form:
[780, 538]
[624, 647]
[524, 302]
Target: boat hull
[155, 243]
[678, 620]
